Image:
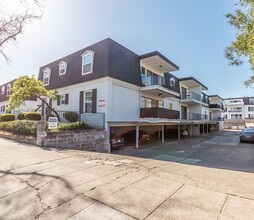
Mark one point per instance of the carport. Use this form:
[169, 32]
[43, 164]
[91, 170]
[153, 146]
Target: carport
[194, 126]
[150, 123]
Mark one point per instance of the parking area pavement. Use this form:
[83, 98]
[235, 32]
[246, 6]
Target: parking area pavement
[218, 150]
[41, 183]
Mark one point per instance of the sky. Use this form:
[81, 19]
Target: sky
[191, 33]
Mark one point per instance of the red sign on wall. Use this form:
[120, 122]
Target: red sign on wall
[101, 103]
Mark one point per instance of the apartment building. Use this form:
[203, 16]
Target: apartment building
[5, 93]
[112, 86]
[239, 108]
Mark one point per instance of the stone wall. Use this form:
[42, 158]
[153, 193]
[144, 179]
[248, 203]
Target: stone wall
[90, 140]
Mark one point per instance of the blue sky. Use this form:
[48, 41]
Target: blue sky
[191, 33]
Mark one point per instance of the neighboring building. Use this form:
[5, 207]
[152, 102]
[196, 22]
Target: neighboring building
[5, 93]
[239, 108]
[112, 86]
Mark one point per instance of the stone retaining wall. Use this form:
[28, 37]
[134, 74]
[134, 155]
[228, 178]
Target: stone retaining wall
[90, 140]
[19, 138]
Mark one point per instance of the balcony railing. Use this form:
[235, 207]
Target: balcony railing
[235, 110]
[197, 116]
[218, 106]
[218, 119]
[158, 80]
[155, 112]
[191, 95]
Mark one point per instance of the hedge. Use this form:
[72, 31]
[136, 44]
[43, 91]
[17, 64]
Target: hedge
[21, 116]
[72, 126]
[71, 116]
[33, 116]
[7, 117]
[23, 127]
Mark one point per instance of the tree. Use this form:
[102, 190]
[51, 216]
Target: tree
[25, 88]
[12, 23]
[243, 46]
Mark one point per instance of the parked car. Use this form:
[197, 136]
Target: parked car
[247, 135]
[130, 136]
[116, 141]
[172, 133]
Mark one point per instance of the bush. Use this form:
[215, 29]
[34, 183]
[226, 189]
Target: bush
[7, 117]
[21, 116]
[71, 116]
[32, 116]
[23, 127]
[72, 126]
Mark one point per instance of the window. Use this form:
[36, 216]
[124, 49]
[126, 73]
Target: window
[62, 67]
[46, 76]
[88, 96]
[172, 82]
[170, 105]
[251, 109]
[62, 99]
[2, 90]
[87, 62]
[2, 108]
[8, 92]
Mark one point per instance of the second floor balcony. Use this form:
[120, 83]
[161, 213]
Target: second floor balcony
[156, 112]
[157, 85]
[216, 107]
[190, 97]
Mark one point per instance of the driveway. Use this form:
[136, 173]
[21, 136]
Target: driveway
[218, 150]
[41, 183]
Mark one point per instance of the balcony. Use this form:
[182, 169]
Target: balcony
[216, 107]
[156, 85]
[155, 112]
[190, 98]
[197, 116]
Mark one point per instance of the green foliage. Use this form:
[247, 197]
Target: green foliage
[21, 116]
[32, 116]
[20, 127]
[7, 117]
[71, 116]
[243, 46]
[25, 88]
[72, 126]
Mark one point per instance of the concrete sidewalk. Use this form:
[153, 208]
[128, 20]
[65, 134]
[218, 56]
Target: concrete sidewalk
[50, 184]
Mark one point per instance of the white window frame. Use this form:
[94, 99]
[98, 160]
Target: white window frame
[62, 66]
[62, 99]
[85, 101]
[172, 82]
[46, 71]
[87, 53]
[8, 90]
[2, 90]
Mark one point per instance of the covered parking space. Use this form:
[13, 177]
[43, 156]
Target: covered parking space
[193, 127]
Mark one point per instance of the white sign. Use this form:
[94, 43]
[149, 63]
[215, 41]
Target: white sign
[52, 123]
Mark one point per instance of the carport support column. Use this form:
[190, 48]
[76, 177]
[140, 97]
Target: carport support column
[179, 133]
[207, 129]
[191, 130]
[162, 134]
[137, 135]
[203, 129]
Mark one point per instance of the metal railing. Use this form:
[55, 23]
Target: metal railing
[158, 80]
[191, 95]
[155, 112]
[218, 106]
[95, 120]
